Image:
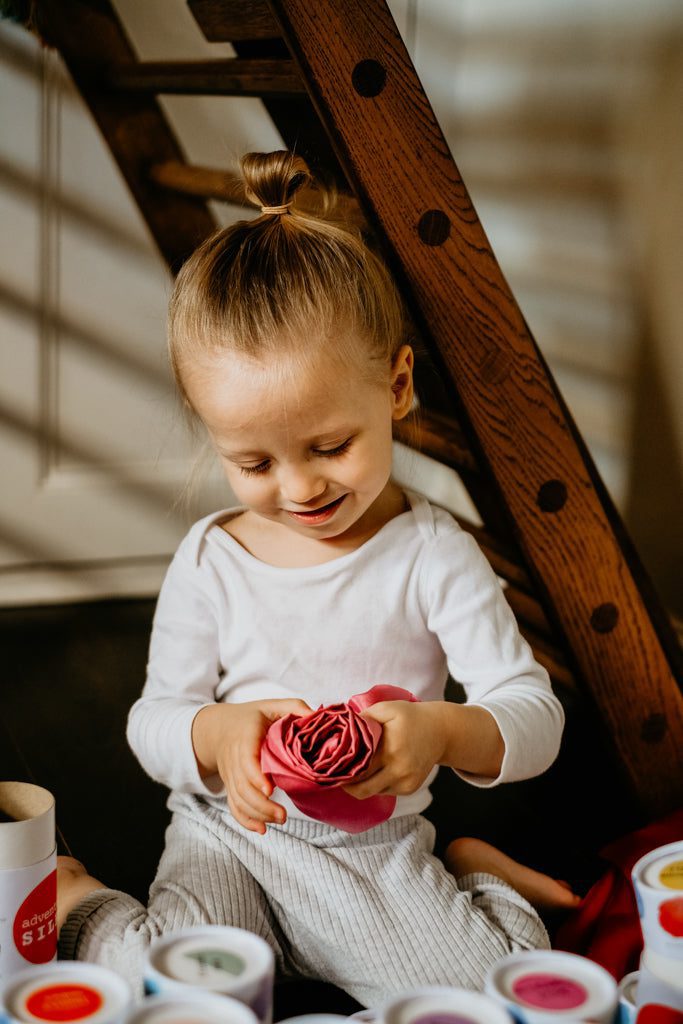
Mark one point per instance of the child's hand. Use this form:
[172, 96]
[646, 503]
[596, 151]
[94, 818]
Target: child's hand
[412, 743]
[227, 739]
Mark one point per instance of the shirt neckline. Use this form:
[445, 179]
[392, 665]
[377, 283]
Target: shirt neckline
[217, 532]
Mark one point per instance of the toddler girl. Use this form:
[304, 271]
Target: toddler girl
[287, 339]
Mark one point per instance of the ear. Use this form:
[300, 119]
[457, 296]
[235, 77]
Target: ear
[402, 382]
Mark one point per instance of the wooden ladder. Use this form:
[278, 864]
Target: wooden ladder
[337, 80]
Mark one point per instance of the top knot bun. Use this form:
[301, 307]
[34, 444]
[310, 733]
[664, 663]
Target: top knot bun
[273, 179]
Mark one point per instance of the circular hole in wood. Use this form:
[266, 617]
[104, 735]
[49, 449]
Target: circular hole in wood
[551, 496]
[434, 227]
[368, 78]
[604, 618]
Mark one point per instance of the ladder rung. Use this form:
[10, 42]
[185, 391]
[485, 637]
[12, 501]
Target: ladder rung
[529, 610]
[234, 76]
[437, 436]
[227, 21]
[547, 656]
[204, 182]
[226, 187]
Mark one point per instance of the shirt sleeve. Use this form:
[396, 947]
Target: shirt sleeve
[183, 671]
[487, 655]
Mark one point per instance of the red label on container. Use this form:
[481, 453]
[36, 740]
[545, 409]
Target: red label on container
[64, 1002]
[671, 916]
[549, 991]
[35, 925]
[653, 1013]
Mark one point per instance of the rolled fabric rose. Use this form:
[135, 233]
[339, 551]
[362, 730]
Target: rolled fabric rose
[312, 756]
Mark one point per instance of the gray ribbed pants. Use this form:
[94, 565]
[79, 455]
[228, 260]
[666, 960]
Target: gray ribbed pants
[374, 913]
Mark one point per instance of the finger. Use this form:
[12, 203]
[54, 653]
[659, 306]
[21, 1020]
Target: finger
[382, 711]
[247, 816]
[279, 708]
[243, 817]
[258, 779]
[258, 805]
[376, 765]
[381, 782]
[251, 823]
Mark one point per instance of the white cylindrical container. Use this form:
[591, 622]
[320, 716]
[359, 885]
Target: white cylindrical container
[195, 1007]
[670, 971]
[659, 983]
[28, 879]
[69, 992]
[315, 1018]
[658, 884]
[626, 992]
[548, 986]
[439, 1004]
[228, 961]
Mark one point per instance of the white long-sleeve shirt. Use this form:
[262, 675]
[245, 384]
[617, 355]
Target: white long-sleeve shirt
[416, 601]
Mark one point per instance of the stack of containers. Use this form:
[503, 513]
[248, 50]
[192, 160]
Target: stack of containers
[658, 884]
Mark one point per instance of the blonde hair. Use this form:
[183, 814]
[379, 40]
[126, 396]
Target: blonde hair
[283, 282]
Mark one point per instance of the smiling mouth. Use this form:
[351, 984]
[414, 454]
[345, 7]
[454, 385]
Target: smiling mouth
[323, 510]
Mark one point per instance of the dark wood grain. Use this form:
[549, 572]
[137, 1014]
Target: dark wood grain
[437, 436]
[231, 77]
[90, 38]
[393, 152]
[224, 21]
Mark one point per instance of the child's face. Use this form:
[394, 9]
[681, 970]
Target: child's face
[307, 447]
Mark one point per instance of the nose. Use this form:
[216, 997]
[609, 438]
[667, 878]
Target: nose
[302, 483]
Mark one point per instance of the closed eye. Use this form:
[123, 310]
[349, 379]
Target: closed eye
[339, 450]
[261, 468]
[264, 466]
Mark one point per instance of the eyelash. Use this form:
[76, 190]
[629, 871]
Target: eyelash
[263, 466]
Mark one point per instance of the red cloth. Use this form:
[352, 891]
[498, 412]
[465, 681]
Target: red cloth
[605, 926]
[312, 756]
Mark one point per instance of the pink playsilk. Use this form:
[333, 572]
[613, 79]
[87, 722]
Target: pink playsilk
[312, 756]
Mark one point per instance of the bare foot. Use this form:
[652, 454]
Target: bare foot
[466, 855]
[73, 884]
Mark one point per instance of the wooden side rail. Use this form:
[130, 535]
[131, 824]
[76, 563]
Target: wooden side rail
[387, 139]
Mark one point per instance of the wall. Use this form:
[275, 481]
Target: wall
[538, 102]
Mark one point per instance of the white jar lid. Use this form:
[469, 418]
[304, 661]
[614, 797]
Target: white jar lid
[442, 1004]
[215, 957]
[30, 837]
[666, 872]
[552, 983]
[661, 868]
[198, 1007]
[317, 1018]
[66, 991]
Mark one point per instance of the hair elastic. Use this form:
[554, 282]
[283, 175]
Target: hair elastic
[277, 209]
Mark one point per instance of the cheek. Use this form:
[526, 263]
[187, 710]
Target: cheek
[374, 462]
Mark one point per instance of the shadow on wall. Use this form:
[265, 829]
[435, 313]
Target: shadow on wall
[654, 511]
[652, 149]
